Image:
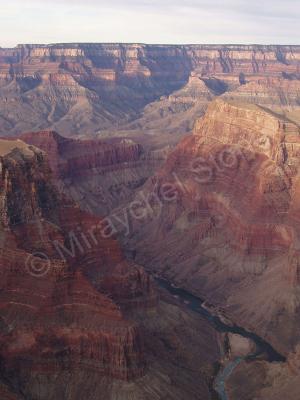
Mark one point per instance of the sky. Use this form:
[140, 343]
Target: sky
[149, 21]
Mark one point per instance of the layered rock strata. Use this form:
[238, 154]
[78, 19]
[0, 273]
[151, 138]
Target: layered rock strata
[78, 320]
[224, 218]
[86, 89]
[99, 175]
[61, 299]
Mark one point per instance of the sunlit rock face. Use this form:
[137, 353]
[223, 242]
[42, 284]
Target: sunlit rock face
[224, 219]
[89, 89]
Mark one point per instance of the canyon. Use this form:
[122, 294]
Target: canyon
[77, 319]
[89, 90]
[123, 166]
[228, 230]
[230, 222]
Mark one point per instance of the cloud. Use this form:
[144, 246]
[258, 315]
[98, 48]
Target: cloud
[164, 21]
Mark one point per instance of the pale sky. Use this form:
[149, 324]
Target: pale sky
[145, 21]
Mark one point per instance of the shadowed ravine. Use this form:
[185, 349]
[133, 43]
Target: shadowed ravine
[196, 304]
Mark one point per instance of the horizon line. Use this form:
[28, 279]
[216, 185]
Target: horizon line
[147, 44]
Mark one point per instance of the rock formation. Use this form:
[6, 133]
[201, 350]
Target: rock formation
[217, 215]
[83, 324]
[224, 218]
[99, 175]
[267, 381]
[96, 89]
[78, 320]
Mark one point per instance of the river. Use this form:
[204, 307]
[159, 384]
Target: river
[196, 304]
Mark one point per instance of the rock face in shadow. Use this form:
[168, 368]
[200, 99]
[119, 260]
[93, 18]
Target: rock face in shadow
[77, 319]
[7, 394]
[224, 218]
[89, 89]
[99, 175]
[62, 309]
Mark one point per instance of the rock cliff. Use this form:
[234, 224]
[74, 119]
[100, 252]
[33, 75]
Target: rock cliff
[79, 324]
[89, 89]
[99, 175]
[77, 319]
[224, 218]
[83, 325]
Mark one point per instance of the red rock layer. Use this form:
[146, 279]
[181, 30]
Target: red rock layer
[61, 313]
[70, 157]
[84, 89]
[230, 229]
[99, 175]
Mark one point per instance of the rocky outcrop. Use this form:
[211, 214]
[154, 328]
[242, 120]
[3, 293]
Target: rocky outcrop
[69, 157]
[70, 321]
[99, 175]
[224, 218]
[86, 89]
[240, 346]
[77, 319]
[268, 381]
[269, 92]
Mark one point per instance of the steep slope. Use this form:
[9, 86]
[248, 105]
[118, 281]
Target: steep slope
[164, 121]
[281, 95]
[99, 175]
[96, 89]
[36, 224]
[270, 92]
[221, 218]
[77, 320]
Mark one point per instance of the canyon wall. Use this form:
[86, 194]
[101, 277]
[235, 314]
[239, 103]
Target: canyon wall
[99, 175]
[222, 218]
[89, 89]
[78, 320]
[83, 324]
[117, 61]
